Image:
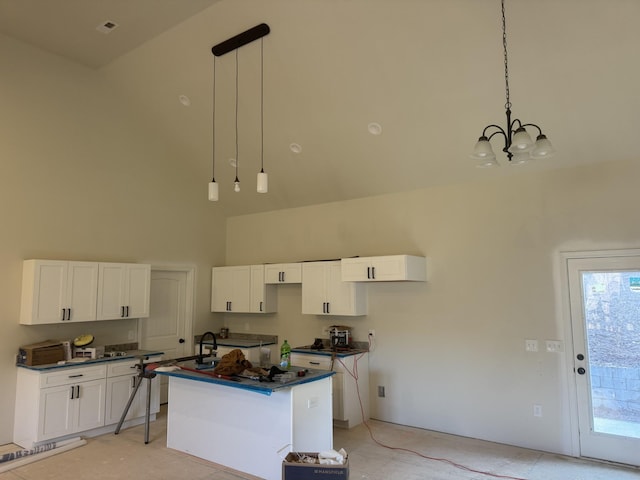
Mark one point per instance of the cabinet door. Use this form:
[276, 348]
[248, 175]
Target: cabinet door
[44, 291]
[55, 416]
[384, 268]
[89, 405]
[356, 269]
[314, 288]
[138, 289]
[82, 291]
[283, 273]
[338, 396]
[263, 297]
[230, 289]
[111, 291]
[118, 392]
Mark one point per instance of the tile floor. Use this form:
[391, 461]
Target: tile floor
[126, 456]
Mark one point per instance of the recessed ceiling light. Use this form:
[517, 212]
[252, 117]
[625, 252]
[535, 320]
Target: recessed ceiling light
[374, 128]
[295, 148]
[107, 27]
[184, 100]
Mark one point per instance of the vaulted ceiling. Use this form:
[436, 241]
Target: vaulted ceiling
[429, 72]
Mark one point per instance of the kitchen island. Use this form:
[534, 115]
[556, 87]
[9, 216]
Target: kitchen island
[248, 425]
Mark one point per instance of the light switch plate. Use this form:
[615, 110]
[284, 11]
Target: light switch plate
[531, 345]
[554, 346]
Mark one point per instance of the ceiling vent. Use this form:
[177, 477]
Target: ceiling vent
[107, 27]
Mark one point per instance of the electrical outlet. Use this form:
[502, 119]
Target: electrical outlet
[554, 346]
[381, 391]
[131, 335]
[537, 410]
[372, 333]
[531, 345]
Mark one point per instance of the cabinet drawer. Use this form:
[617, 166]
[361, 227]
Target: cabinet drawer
[309, 360]
[68, 376]
[126, 367]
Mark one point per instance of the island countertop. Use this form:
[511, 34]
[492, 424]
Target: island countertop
[262, 387]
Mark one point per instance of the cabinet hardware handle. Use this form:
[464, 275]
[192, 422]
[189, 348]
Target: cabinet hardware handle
[260, 306]
[327, 307]
[133, 382]
[373, 273]
[73, 390]
[368, 273]
[69, 314]
[77, 376]
[127, 310]
[77, 391]
[314, 363]
[283, 276]
[64, 310]
[122, 311]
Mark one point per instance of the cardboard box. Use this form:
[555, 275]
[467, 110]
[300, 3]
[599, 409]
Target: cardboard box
[43, 353]
[294, 470]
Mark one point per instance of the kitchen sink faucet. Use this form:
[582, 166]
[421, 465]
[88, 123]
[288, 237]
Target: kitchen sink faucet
[215, 344]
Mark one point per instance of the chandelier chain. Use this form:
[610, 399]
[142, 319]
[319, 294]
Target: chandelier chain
[237, 116]
[213, 126]
[507, 105]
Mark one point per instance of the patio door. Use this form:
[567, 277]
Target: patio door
[605, 320]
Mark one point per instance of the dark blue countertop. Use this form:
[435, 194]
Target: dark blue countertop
[264, 388]
[137, 354]
[327, 352]
[238, 343]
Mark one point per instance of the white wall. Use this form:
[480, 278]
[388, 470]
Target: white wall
[450, 352]
[82, 178]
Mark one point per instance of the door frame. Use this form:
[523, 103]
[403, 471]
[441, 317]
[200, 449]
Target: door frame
[190, 301]
[570, 378]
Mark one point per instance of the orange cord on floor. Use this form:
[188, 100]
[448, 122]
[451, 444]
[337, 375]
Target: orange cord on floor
[354, 375]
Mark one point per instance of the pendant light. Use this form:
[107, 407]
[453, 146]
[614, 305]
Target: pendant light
[222, 48]
[263, 179]
[518, 145]
[213, 185]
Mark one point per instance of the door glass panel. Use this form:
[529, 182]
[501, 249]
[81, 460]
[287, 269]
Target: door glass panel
[612, 320]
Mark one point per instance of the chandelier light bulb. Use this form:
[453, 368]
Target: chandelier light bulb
[236, 186]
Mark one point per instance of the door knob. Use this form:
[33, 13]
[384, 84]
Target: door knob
[181, 340]
[581, 371]
[580, 356]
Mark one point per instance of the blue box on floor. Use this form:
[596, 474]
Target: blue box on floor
[294, 470]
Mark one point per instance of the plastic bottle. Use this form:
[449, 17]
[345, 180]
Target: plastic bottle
[285, 355]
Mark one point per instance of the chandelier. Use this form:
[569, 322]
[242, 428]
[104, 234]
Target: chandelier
[518, 144]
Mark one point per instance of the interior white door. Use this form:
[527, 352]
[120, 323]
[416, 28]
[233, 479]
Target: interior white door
[168, 327]
[605, 320]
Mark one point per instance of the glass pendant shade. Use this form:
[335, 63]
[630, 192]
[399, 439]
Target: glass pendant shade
[520, 157]
[263, 182]
[213, 191]
[521, 141]
[483, 150]
[542, 148]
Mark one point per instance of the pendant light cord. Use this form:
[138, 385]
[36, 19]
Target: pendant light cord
[213, 126]
[507, 105]
[261, 106]
[237, 117]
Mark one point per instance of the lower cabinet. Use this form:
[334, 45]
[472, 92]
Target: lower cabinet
[65, 402]
[347, 396]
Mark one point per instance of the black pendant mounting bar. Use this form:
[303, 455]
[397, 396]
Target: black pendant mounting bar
[241, 39]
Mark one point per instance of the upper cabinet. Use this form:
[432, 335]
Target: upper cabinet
[123, 290]
[58, 291]
[241, 289]
[384, 269]
[64, 291]
[283, 273]
[324, 292]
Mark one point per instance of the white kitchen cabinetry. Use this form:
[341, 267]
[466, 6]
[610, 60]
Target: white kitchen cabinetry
[278, 273]
[123, 290]
[59, 403]
[347, 396]
[121, 382]
[241, 289]
[56, 291]
[384, 269]
[324, 292]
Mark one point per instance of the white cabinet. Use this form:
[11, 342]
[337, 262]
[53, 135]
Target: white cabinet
[277, 273]
[241, 289]
[121, 382]
[350, 400]
[58, 291]
[123, 290]
[384, 269]
[324, 292]
[59, 403]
